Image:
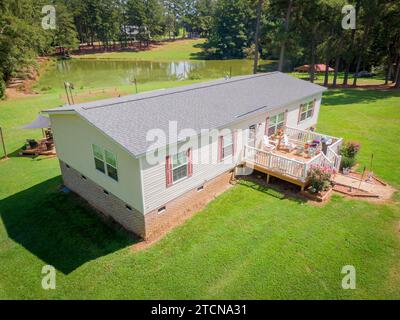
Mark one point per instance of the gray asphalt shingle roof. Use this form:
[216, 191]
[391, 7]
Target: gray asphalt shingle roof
[209, 105]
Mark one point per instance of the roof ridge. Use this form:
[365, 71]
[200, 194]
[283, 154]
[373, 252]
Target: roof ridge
[185, 89]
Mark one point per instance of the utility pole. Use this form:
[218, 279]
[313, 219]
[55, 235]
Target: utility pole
[257, 35]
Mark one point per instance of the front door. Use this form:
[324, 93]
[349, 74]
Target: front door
[252, 136]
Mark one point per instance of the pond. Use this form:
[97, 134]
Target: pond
[101, 73]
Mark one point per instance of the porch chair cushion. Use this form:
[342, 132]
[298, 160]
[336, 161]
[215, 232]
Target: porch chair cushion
[287, 143]
[267, 144]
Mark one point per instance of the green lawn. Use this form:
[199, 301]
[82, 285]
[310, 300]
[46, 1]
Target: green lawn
[166, 51]
[248, 243]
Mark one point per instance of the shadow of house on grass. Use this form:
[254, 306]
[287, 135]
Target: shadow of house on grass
[276, 188]
[60, 229]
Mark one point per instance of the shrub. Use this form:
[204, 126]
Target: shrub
[347, 162]
[250, 52]
[350, 149]
[2, 88]
[194, 76]
[320, 178]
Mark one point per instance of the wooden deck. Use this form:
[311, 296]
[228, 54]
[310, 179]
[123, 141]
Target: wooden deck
[293, 166]
[40, 150]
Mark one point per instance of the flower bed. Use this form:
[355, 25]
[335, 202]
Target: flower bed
[318, 197]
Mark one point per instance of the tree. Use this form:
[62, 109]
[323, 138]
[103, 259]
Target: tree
[369, 9]
[284, 39]
[22, 37]
[229, 35]
[65, 35]
[257, 35]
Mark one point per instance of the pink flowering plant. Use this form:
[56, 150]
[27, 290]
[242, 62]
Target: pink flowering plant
[320, 178]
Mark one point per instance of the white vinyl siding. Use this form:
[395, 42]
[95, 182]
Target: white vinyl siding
[227, 147]
[74, 138]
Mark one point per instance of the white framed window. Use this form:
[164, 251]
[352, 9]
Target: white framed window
[111, 163]
[306, 111]
[227, 146]
[98, 155]
[105, 162]
[275, 123]
[180, 164]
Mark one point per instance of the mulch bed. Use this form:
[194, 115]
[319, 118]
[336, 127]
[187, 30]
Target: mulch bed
[318, 197]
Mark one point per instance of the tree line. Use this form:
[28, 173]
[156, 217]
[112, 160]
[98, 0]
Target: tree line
[293, 32]
[310, 31]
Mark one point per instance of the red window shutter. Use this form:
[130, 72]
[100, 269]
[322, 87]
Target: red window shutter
[286, 115]
[266, 126]
[234, 140]
[299, 117]
[168, 170]
[220, 145]
[190, 162]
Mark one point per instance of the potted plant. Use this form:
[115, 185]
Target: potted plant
[349, 152]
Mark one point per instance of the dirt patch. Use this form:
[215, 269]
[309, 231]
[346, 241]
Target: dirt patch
[91, 95]
[366, 86]
[373, 189]
[370, 179]
[353, 192]
[22, 87]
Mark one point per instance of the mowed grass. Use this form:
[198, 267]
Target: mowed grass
[166, 51]
[250, 242]
[371, 118]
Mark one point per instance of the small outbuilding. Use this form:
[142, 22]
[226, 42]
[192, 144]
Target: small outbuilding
[318, 68]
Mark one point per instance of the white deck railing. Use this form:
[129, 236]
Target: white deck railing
[292, 167]
[283, 165]
[303, 136]
[274, 162]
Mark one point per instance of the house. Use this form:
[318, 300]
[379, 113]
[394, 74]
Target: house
[149, 160]
[317, 67]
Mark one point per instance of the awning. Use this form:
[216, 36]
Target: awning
[39, 123]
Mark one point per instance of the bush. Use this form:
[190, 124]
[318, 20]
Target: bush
[350, 149]
[250, 52]
[347, 162]
[320, 178]
[194, 76]
[2, 88]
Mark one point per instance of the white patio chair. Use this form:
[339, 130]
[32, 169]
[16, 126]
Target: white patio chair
[267, 145]
[287, 144]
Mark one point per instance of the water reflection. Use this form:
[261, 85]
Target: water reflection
[94, 73]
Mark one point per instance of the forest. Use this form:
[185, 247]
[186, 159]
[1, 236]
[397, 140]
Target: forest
[293, 32]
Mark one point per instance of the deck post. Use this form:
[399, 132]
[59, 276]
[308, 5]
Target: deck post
[268, 176]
